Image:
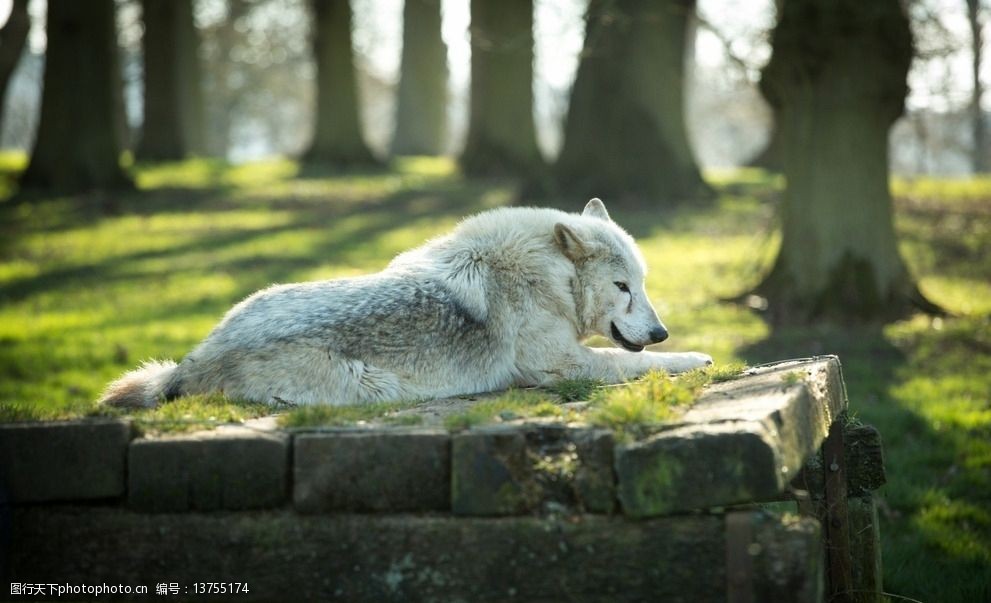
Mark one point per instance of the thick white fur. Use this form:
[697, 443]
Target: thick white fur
[505, 299]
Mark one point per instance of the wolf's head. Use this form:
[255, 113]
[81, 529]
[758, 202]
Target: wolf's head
[609, 292]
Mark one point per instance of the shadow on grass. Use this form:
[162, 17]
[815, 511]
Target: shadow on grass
[378, 216]
[950, 241]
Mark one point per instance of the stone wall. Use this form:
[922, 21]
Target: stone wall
[520, 510]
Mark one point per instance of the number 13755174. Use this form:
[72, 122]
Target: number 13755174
[220, 588]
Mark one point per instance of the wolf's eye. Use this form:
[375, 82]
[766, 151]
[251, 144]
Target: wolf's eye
[622, 286]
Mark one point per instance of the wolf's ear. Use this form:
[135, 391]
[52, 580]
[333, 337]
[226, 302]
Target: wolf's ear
[570, 243]
[596, 209]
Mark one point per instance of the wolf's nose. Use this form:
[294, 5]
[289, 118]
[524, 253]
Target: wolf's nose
[658, 334]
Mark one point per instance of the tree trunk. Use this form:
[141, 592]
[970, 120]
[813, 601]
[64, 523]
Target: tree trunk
[769, 158]
[337, 139]
[502, 137]
[77, 148]
[13, 35]
[838, 78]
[625, 133]
[979, 156]
[122, 127]
[173, 123]
[421, 108]
[191, 98]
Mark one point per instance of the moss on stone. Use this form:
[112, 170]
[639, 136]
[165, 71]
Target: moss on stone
[513, 404]
[654, 398]
[318, 415]
[793, 378]
[653, 484]
[197, 412]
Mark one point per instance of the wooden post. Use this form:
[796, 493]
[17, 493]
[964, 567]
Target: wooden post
[836, 487]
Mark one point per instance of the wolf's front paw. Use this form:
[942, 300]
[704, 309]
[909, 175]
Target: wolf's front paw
[686, 361]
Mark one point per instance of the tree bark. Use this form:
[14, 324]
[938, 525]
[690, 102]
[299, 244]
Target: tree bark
[77, 148]
[502, 137]
[337, 139]
[769, 158]
[421, 108]
[13, 35]
[625, 133]
[838, 79]
[190, 80]
[979, 155]
[173, 124]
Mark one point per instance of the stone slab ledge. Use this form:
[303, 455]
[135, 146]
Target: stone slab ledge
[742, 441]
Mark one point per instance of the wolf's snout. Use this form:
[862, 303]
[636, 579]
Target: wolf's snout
[658, 334]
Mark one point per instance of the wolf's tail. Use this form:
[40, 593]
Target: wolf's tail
[144, 387]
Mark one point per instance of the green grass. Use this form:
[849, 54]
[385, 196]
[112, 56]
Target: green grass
[652, 399]
[719, 373]
[91, 285]
[511, 405]
[570, 390]
[792, 378]
[192, 413]
[333, 416]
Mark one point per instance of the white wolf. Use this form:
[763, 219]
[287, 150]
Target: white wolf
[504, 300]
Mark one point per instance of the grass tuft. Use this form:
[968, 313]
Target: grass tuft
[192, 413]
[514, 404]
[571, 390]
[719, 373]
[652, 399]
[793, 378]
[326, 415]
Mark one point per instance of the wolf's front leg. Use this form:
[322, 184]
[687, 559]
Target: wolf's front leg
[615, 366]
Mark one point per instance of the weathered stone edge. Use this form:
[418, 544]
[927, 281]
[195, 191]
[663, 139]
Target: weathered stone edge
[827, 379]
[775, 449]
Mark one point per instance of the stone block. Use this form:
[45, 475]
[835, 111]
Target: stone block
[372, 470]
[697, 468]
[521, 468]
[229, 469]
[595, 480]
[490, 472]
[742, 442]
[63, 460]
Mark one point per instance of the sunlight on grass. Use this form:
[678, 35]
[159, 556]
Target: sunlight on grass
[720, 373]
[326, 415]
[652, 399]
[18, 411]
[203, 172]
[946, 190]
[570, 390]
[513, 404]
[191, 413]
[436, 167]
[958, 295]
[960, 530]
[722, 177]
[92, 285]
[13, 162]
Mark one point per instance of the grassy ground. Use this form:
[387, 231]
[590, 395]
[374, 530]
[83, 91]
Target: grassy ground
[91, 285]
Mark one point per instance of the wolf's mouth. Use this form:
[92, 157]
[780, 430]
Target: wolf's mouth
[626, 343]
